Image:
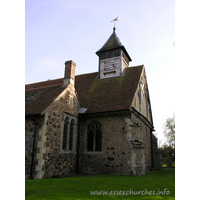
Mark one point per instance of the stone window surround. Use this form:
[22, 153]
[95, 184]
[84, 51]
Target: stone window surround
[67, 151]
[86, 131]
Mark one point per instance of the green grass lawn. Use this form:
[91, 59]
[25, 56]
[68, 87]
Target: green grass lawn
[80, 186]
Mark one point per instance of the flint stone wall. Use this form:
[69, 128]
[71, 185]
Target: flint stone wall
[118, 156]
[126, 143]
[59, 163]
[49, 159]
[30, 126]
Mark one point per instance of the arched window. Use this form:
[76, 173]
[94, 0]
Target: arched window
[71, 134]
[94, 136]
[68, 132]
[65, 131]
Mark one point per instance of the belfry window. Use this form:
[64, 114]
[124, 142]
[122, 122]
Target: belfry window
[110, 54]
[94, 136]
[68, 132]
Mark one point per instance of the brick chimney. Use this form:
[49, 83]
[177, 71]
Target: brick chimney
[69, 76]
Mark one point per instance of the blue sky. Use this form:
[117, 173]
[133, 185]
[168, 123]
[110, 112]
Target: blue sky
[56, 31]
[61, 30]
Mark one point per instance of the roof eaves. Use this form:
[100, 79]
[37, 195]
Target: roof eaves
[142, 117]
[105, 112]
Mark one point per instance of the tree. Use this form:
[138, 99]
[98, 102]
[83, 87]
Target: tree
[168, 150]
[169, 131]
[168, 154]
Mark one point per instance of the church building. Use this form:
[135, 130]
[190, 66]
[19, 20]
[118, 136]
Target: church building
[96, 123]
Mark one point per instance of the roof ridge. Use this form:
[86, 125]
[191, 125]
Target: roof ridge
[91, 91]
[46, 86]
[136, 66]
[43, 81]
[86, 74]
[58, 79]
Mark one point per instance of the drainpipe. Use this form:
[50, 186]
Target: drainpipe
[34, 136]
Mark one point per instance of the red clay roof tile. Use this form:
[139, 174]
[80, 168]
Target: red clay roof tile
[37, 100]
[97, 95]
[111, 94]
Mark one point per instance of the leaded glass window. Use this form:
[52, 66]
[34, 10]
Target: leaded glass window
[71, 134]
[65, 131]
[68, 134]
[94, 136]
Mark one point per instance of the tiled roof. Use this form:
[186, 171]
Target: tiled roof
[97, 95]
[37, 100]
[110, 94]
[44, 84]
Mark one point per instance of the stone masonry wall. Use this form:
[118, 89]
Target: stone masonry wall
[29, 140]
[126, 143]
[115, 147]
[49, 159]
[118, 156]
[57, 162]
[141, 132]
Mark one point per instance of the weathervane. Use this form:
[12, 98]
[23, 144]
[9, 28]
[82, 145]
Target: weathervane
[116, 19]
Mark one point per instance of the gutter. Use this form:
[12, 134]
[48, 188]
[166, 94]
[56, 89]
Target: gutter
[103, 113]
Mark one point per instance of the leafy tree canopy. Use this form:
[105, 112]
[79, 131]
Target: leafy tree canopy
[169, 131]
